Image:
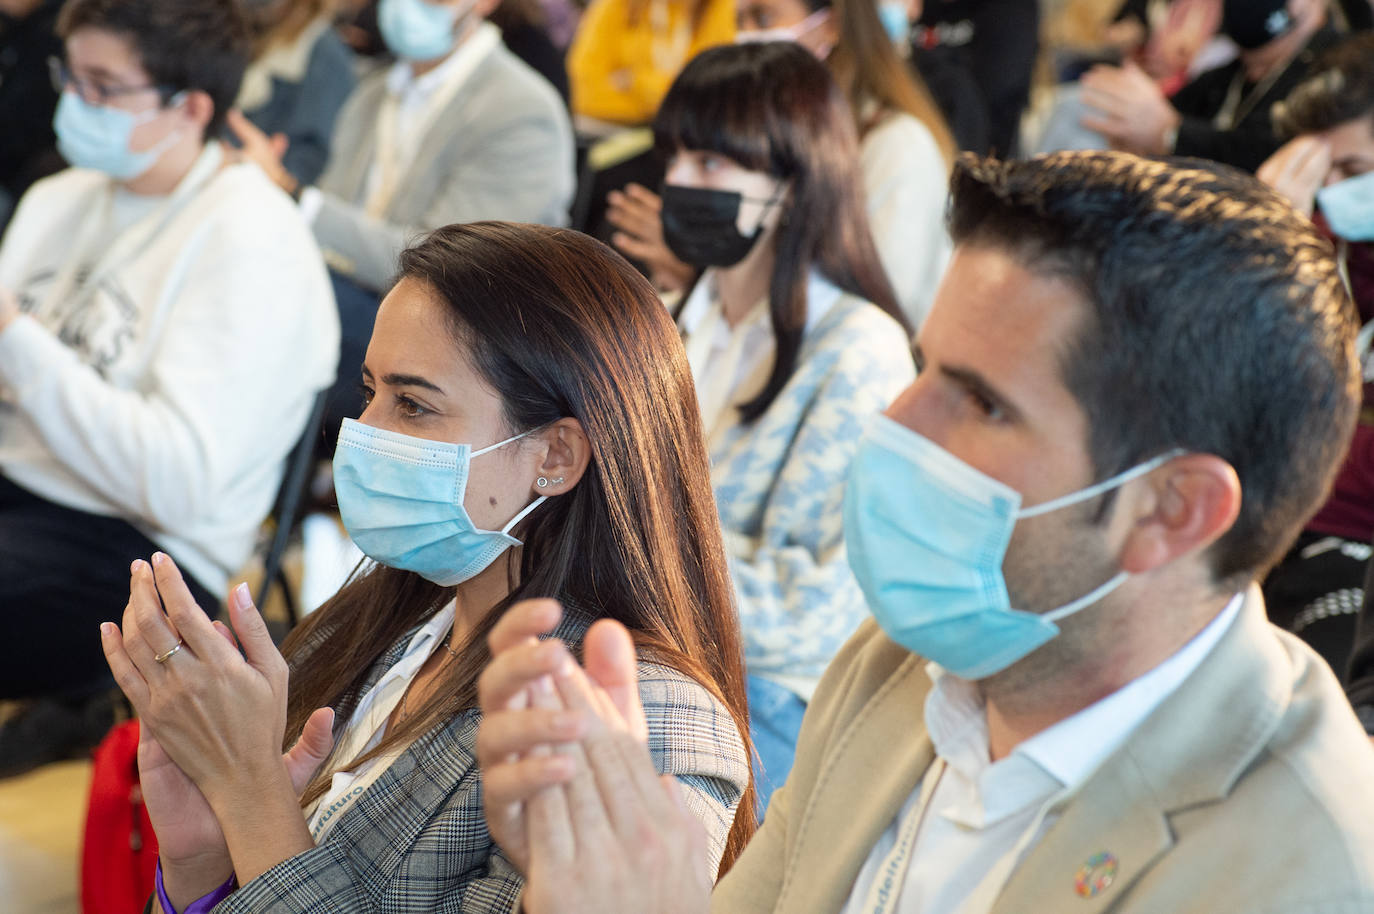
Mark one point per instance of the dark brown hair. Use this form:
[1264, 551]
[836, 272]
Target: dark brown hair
[561, 326]
[1215, 322]
[772, 107]
[198, 45]
[1338, 89]
[869, 70]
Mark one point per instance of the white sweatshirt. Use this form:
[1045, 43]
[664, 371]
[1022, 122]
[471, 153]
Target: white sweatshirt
[167, 386]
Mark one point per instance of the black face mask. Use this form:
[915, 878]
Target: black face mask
[1254, 23]
[700, 226]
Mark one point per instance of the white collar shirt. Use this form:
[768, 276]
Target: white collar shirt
[982, 816]
[368, 725]
[412, 104]
[730, 364]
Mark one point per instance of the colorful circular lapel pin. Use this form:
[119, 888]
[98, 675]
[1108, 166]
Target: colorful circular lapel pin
[1095, 876]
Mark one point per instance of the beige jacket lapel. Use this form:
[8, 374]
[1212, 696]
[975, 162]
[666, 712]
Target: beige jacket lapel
[878, 760]
[1190, 751]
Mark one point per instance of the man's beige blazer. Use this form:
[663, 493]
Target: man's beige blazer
[1250, 789]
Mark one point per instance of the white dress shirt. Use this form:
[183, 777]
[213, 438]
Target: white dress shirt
[982, 817]
[368, 725]
[411, 106]
[731, 364]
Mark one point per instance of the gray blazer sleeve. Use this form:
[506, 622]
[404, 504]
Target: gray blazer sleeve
[503, 149]
[417, 840]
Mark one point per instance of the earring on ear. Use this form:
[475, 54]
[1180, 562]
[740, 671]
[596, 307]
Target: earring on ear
[543, 481]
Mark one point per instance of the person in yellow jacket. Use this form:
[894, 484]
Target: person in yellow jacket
[627, 52]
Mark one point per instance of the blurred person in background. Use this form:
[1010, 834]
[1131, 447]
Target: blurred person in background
[165, 324]
[626, 53]
[793, 336]
[1223, 114]
[905, 149]
[994, 44]
[457, 130]
[299, 77]
[1327, 171]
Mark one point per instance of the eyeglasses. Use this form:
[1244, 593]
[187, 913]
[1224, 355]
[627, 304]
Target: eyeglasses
[97, 93]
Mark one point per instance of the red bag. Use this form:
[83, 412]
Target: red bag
[119, 852]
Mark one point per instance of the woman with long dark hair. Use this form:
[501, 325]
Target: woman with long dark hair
[580, 475]
[794, 337]
[904, 154]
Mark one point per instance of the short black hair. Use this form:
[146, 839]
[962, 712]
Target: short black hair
[1338, 89]
[201, 45]
[1217, 322]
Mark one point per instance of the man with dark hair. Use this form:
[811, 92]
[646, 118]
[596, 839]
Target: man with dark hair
[1223, 114]
[1138, 380]
[1327, 171]
[165, 322]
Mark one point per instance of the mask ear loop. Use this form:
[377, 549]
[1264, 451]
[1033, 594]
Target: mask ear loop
[1105, 485]
[524, 513]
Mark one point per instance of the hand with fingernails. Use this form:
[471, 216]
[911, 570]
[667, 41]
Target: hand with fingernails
[636, 214]
[220, 794]
[570, 790]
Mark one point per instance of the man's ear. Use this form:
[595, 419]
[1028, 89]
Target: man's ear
[569, 452]
[1179, 509]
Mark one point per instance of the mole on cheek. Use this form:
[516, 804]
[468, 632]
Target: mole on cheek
[493, 502]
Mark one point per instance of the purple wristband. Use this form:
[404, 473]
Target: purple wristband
[201, 905]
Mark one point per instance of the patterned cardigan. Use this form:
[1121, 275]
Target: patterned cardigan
[779, 486]
[417, 840]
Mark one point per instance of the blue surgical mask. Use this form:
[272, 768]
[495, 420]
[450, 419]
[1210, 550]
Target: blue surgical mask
[416, 30]
[97, 136]
[1349, 207]
[926, 534]
[892, 14]
[401, 500]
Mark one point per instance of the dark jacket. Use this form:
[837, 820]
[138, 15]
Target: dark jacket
[1252, 139]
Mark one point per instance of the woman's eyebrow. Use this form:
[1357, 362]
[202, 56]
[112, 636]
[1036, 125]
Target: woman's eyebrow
[410, 380]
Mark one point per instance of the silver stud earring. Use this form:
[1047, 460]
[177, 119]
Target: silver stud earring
[543, 481]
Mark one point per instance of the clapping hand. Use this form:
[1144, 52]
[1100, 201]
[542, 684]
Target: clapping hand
[212, 722]
[602, 830]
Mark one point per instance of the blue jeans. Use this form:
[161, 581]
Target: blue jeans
[775, 716]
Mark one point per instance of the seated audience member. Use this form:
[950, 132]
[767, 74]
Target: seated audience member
[793, 335]
[904, 150]
[165, 323]
[994, 43]
[1138, 381]
[530, 431]
[1223, 114]
[626, 53]
[1317, 590]
[299, 78]
[458, 130]
[28, 38]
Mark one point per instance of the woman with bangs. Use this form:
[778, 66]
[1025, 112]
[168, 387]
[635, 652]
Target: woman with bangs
[904, 152]
[794, 337]
[530, 431]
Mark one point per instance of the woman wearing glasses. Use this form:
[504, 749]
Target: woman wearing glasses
[794, 338]
[142, 405]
